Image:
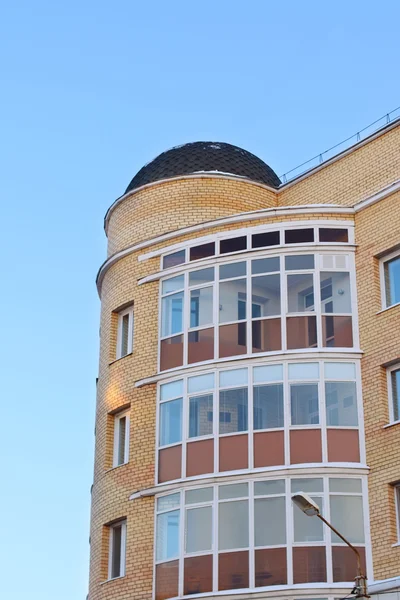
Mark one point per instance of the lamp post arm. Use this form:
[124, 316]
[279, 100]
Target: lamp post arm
[356, 552]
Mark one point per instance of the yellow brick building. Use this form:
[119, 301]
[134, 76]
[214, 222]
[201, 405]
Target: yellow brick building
[250, 350]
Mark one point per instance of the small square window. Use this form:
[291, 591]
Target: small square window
[125, 332]
[393, 382]
[390, 279]
[116, 558]
[121, 439]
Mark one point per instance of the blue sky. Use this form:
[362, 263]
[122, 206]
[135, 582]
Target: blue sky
[90, 92]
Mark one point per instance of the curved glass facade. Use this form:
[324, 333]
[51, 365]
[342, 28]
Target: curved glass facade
[286, 302]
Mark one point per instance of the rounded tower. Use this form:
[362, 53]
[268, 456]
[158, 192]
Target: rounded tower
[229, 380]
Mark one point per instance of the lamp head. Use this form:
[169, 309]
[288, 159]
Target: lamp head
[306, 504]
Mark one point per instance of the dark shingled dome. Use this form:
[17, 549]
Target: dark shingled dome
[199, 157]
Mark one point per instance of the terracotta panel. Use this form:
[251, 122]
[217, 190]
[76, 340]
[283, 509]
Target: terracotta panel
[201, 345]
[269, 449]
[200, 457]
[233, 452]
[270, 567]
[309, 565]
[169, 463]
[301, 332]
[171, 353]
[305, 446]
[344, 563]
[343, 445]
[167, 580]
[266, 335]
[198, 575]
[233, 570]
[232, 340]
[337, 332]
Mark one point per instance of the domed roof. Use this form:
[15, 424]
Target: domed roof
[205, 157]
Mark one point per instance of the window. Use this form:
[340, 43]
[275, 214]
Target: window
[125, 332]
[292, 302]
[121, 439]
[233, 526]
[116, 559]
[260, 416]
[390, 279]
[396, 489]
[393, 382]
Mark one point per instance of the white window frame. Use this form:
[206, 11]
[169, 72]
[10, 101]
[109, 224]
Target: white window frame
[389, 372]
[396, 489]
[382, 262]
[112, 527]
[121, 315]
[117, 419]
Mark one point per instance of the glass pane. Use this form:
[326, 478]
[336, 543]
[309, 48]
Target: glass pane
[307, 529]
[167, 538]
[233, 570]
[200, 416]
[200, 345]
[116, 533]
[303, 371]
[171, 318]
[198, 575]
[335, 293]
[173, 284]
[270, 521]
[261, 240]
[340, 370]
[174, 259]
[392, 281]
[125, 335]
[337, 332]
[233, 377]
[265, 265]
[266, 296]
[299, 236]
[232, 300]
[233, 410]
[270, 567]
[302, 332]
[266, 335]
[333, 235]
[171, 390]
[268, 406]
[201, 307]
[300, 292]
[270, 373]
[171, 352]
[341, 403]
[304, 404]
[309, 565]
[167, 580]
[201, 276]
[306, 485]
[265, 488]
[199, 495]
[170, 422]
[198, 529]
[233, 270]
[395, 381]
[232, 340]
[347, 517]
[233, 531]
[233, 245]
[202, 251]
[168, 502]
[121, 439]
[299, 262]
[341, 484]
[233, 490]
[201, 382]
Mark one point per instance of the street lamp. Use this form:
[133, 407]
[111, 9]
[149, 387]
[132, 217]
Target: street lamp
[311, 509]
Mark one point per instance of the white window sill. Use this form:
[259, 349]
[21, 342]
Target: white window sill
[396, 545]
[391, 425]
[112, 579]
[114, 361]
[388, 308]
[113, 469]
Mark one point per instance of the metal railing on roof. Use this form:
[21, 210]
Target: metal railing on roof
[319, 159]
